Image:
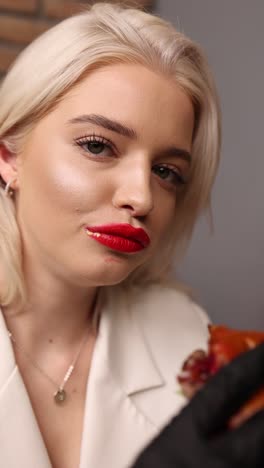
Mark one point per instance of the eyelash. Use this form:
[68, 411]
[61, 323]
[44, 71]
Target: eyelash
[81, 142]
[85, 140]
[178, 178]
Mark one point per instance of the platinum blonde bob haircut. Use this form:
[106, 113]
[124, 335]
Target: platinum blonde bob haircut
[56, 61]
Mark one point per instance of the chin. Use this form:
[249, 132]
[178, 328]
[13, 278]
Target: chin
[105, 270]
[114, 270]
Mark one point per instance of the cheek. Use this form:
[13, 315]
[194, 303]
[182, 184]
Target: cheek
[71, 187]
[53, 185]
[168, 202]
[163, 215]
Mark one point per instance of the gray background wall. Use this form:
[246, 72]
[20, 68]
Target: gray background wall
[226, 270]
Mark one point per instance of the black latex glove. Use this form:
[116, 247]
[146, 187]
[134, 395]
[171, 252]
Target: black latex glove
[198, 437]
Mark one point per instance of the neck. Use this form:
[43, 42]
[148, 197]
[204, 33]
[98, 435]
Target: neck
[55, 313]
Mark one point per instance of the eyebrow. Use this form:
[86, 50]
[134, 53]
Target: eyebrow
[121, 129]
[180, 153]
[104, 122]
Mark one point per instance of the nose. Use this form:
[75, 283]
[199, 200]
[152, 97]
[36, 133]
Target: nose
[134, 191]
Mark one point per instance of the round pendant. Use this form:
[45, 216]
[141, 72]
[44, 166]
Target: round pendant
[60, 396]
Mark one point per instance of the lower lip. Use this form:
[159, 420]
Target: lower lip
[121, 244]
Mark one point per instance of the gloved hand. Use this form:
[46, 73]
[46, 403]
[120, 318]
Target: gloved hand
[198, 437]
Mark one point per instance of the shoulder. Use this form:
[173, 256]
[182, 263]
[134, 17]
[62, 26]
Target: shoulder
[172, 324]
[167, 305]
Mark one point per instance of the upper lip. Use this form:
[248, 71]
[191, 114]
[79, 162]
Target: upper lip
[123, 230]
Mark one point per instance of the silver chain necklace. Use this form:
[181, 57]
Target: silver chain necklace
[60, 394]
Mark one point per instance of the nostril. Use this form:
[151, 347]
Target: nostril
[135, 199]
[128, 207]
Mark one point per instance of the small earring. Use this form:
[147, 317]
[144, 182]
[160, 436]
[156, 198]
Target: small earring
[9, 192]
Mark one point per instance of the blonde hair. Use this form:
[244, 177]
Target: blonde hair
[105, 34]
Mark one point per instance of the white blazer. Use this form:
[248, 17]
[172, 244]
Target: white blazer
[144, 336]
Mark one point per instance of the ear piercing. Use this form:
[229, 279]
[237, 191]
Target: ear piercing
[9, 192]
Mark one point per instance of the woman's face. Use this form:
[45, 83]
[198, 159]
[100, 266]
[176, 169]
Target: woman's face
[115, 150]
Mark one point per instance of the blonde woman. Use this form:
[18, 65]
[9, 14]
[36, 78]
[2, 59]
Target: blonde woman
[109, 146]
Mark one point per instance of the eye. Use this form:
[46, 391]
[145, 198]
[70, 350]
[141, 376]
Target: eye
[169, 174]
[96, 145]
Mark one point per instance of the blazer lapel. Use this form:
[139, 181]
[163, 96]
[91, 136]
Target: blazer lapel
[20, 439]
[115, 430]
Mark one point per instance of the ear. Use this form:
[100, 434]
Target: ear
[8, 164]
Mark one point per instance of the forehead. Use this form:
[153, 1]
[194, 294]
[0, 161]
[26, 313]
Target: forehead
[135, 95]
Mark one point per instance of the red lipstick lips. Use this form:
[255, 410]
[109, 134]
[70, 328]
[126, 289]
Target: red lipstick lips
[121, 237]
